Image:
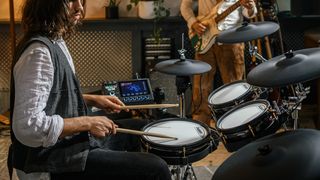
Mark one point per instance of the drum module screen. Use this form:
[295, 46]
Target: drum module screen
[137, 91]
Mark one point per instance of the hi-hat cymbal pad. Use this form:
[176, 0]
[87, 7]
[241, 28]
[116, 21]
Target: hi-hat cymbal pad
[182, 67]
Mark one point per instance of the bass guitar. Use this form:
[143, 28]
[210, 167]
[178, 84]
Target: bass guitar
[203, 43]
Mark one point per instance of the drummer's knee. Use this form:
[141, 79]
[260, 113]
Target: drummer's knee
[159, 167]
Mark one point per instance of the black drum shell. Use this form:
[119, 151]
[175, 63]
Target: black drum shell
[234, 138]
[182, 154]
[247, 95]
[251, 94]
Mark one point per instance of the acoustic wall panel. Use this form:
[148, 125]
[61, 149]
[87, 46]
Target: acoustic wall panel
[101, 55]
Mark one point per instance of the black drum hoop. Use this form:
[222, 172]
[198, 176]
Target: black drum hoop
[177, 148]
[177, 152]
[232, 102]
[244, 127]
[183, 159]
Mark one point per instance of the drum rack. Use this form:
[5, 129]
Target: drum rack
[294, 102]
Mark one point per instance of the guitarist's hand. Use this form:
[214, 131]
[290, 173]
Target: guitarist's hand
[199, 28]
[248, 4]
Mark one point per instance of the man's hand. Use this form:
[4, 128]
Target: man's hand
[199, 28]
[101, 126]
[109, 103]
[106, 103]
[248, 4]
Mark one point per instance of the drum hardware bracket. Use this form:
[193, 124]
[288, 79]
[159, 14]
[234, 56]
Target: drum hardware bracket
[223, 139]
[277, 110]
[147, 145]
[294, 105]
[275, 115]
[256, 94]
[251, 130]
[211, 145]
[213, 115]
[253, 51]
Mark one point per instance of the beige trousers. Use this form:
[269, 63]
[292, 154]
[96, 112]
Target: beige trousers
[229, 58]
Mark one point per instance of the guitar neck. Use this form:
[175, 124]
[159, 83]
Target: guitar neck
[227, 11]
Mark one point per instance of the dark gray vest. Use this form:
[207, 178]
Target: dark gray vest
[65, 99]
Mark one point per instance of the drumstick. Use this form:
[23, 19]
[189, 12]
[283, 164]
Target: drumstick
[149, 106]
[130, 131]
[146, 106]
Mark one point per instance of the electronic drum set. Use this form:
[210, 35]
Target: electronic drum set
[248, 114]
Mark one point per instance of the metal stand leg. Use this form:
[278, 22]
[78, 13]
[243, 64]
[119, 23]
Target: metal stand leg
[295, 119]
[182, 83]
[189, 173]
[182, 108]
[176, 173]
[185, 172]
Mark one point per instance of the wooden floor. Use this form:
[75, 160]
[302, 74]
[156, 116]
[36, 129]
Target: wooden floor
[4, 144]
[214, 159]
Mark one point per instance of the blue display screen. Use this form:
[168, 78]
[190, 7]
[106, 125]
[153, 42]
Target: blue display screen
[134, 88]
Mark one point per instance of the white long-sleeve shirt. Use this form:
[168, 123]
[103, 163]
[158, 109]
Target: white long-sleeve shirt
[205, 6]
[33, 75]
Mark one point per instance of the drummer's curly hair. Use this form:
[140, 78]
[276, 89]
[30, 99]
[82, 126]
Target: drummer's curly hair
[50, 18]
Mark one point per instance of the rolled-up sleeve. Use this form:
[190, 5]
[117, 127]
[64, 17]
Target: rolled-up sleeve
[187, 12]
[33, 79]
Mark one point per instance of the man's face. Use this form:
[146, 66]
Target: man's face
[76, 10]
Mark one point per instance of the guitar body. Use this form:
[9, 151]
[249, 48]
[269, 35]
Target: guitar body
[203, 43]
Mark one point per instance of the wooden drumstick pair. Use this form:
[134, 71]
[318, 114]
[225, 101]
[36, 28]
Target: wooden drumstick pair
[149, 106]
[146, 106]
[130, 131]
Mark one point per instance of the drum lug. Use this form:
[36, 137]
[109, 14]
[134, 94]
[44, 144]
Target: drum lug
[147, 145]
[213, 114]
[184, 152]
[211, 108]
[275, 116]
[274, 113]
[223, 139]
[251, 130]
[256, 94]
[211, 146]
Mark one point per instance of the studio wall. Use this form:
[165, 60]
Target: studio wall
[95, 9]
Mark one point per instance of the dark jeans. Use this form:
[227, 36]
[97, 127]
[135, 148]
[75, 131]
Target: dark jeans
[119, 158]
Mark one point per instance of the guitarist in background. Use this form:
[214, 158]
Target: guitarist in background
[229, 58]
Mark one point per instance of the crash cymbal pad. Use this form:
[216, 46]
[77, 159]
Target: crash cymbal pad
[293, 155]
[290, 68]
[247, 32]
